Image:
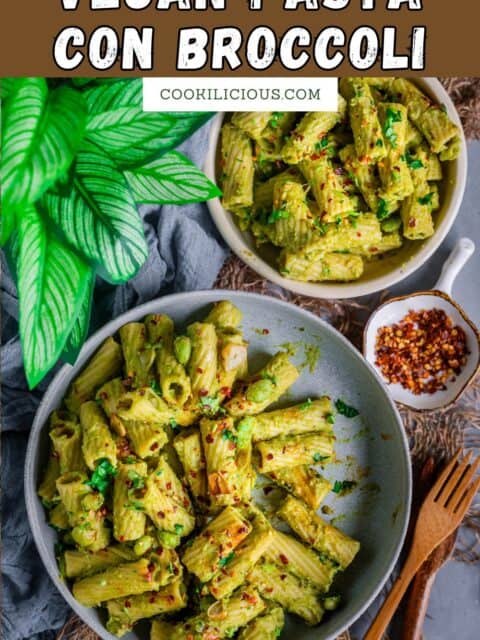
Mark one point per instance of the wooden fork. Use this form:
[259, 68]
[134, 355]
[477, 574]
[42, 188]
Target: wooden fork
[441, 513]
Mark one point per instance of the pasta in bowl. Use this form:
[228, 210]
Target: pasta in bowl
[345, 203]
[186, 488]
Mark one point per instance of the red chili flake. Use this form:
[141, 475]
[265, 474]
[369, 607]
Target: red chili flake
[412, 222]
[226, 391]
[422, 352]
[203, 392]
[209, 438]
[152, 599]
[161, 514]
[242, 529]
[283, 558]
[265, 332]
[269, 456]
[128, 604]
[168, 486]
[193, 473]
[283, 576]
[267, 490]
[154, 446]
[199, 370]
[121, 538]
[339, 171]
[159, 551]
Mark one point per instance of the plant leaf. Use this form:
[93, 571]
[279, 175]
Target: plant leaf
[79, 332]
[7, 85]
[98, 216]
[52, 280]
[42, 131]
[131, 136]
[171, 179]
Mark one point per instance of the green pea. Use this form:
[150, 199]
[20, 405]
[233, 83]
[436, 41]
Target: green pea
[391, 224]
[183, 349]
[260, 391]
[142, 545]
[92, 501]
[331, 602]
[168, 540]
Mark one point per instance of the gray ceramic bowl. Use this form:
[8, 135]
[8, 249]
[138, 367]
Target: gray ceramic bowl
[371, 448]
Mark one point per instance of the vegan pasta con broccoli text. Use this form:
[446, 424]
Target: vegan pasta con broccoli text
[154, 457]
[332, 190]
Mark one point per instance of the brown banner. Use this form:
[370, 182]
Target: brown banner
[29, 31]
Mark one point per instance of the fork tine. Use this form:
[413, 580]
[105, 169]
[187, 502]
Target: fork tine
[457, 496]
[462, 507]
[455, 477]
[437, 487]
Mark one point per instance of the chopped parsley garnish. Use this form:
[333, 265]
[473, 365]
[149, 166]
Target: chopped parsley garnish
[379, 142]
[134, 505]
[224, 561]
[228, 435]
[321, 226]
[173, 423]
[277, 214]
[155, 387]
[342, 486]
[136, 479]
[414, 163]
[179, 528]
[321, 144]
[382, 211]
[330, 418]
[338, 220]
[346, 410]
[275, 119]
[392, 117]
[305, 405]
[317, 457]
[427, 199]
[102, 476]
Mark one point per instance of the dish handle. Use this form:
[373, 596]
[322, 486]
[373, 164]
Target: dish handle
[455, 262]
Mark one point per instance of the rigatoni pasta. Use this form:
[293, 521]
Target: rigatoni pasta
[328, 173]
[150, 483]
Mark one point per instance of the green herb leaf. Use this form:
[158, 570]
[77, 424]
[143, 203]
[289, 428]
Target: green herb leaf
[321, 144]
[427, 199]
[330, 418]
[98, 216]
[179, 528]
[117, 123]
[224, 561]
[317, 457]
[306, 405]
[171, 179]
[52, 282]
[79, 331]
[210, 404]
[41, 133]
[391, 118]
[102, 476]
[382, 211]
[277, 214]
[342, 486]
[345, 410]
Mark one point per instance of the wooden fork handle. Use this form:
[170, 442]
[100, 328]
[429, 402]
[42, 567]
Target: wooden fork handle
[417, 605]
[384, 616]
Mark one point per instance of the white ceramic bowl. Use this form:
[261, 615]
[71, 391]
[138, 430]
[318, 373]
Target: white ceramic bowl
[371, 448]
[378, 275]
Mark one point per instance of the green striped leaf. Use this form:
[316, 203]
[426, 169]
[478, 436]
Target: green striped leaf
[42, 131]
[171, 179]
[98, 216]
[79, 332]
[52, 280]
[131, 136]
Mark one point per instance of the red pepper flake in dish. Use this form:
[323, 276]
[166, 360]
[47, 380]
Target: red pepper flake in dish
[422, 352]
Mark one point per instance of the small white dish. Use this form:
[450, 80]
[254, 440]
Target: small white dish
[439, 297]
[378, 275]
